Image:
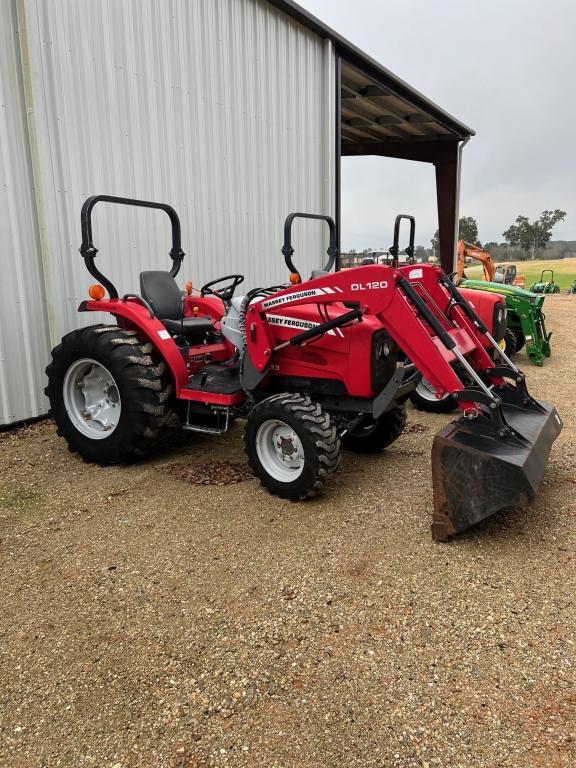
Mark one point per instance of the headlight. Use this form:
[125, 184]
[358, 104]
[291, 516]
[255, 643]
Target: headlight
[499, 320]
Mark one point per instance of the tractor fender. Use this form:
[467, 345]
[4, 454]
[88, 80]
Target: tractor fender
[133, 315]
[210, 306]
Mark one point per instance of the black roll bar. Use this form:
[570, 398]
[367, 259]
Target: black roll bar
[89, 250]
[394, 250]
[288, 250]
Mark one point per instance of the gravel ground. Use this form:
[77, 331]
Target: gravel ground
[149, 622]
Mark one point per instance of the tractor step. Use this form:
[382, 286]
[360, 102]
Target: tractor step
[216, 379]
[215, 425]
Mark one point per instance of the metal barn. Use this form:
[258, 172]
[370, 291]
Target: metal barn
[235, 112]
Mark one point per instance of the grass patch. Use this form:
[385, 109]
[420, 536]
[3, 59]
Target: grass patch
[19, 498]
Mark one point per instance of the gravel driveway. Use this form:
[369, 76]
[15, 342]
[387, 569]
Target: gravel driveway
[149, 622]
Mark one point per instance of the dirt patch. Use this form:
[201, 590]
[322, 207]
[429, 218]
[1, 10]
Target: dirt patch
[211, 472]
[149, 622]
[413, 427]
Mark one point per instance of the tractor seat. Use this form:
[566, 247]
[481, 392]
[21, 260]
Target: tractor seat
[161, 291]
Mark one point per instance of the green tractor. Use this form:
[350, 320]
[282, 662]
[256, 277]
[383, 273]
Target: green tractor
[572, 289]
[545, 286]
[525, 324]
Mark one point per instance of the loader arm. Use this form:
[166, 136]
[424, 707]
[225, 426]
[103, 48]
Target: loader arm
[412, 303]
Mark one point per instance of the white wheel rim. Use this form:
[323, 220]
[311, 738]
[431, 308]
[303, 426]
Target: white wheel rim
[280, 451]
[91, 398]
[428, 392]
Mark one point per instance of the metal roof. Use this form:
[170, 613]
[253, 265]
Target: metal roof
[377, 105]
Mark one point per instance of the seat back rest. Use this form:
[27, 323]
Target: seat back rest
[162, 293]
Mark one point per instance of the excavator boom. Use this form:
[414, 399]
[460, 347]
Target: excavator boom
[468, 250]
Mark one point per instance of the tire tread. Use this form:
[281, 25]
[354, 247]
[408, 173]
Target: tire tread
[142, 374]
[316, 425]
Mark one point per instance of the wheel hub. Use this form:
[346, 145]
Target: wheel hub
[427, 390]
[91, 398]
[287, 444]
[280, 450]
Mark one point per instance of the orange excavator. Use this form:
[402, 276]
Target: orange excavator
[503, 274]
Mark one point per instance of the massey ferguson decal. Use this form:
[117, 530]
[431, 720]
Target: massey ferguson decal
[276, 302]
[297, 323]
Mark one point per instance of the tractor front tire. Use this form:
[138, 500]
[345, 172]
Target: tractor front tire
[292, 445]
[109, 394]
[376, 435]
[509, 342]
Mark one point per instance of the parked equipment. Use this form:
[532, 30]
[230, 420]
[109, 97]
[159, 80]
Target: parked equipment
[504, 273]
[508, 274]
[307, 364]
[572, 289]
[545, 286]
[526, 319]
[525, 315]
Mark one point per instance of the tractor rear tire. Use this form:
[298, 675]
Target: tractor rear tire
[509, 342]
[379, 434]
[292, 445]
[109, 394]
[423, 398]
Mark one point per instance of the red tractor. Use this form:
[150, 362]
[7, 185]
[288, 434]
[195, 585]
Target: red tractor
[309, 365]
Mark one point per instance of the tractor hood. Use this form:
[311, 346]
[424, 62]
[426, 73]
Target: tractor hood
[502, 289]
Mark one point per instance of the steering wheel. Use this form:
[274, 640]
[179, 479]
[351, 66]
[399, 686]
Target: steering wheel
[227, 291]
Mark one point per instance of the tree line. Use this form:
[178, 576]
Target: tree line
[529, 236]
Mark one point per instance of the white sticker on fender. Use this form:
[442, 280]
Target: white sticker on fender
[163, 335]
[414, 274]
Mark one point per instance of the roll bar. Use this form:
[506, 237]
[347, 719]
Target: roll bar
[288, 250]
[394, 250]
[89, 250]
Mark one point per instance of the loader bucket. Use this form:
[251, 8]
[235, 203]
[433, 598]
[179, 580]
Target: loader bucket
[476, 471]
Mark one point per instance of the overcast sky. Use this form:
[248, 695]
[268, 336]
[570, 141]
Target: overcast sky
[506, 68]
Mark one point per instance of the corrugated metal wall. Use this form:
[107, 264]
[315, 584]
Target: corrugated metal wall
[220, 107]
[23, 327]
[223, 108]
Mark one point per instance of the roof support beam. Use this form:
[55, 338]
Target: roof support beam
[392, 123]
[427, 151]
[447, 198]
[353, 100]
[374, 95]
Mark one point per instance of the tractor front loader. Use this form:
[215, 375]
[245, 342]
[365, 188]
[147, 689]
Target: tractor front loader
[308, 364]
